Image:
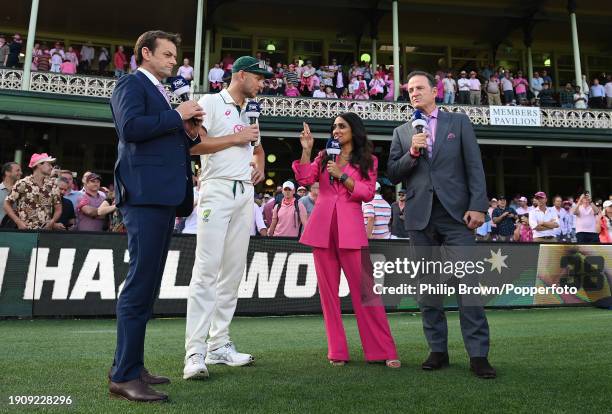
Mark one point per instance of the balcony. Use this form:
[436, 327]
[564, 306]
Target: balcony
[278, 106]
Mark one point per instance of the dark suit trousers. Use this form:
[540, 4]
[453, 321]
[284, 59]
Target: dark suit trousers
[443, 230]
[149, 230]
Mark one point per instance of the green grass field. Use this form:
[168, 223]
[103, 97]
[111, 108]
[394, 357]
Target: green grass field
[548, 360]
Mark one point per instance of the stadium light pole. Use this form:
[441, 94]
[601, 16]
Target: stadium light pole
[396, 71]
[27, 65]
[571, 8]
[197, 64]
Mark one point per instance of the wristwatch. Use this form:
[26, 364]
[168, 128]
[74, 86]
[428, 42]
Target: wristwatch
[343, 178]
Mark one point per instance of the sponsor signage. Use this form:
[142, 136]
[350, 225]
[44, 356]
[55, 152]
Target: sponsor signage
[82, 274]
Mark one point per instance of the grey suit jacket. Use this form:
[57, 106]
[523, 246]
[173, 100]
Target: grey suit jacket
[454, 172]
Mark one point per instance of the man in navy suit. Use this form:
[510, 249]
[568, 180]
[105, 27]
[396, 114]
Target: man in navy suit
[153, 184]
[442, 172]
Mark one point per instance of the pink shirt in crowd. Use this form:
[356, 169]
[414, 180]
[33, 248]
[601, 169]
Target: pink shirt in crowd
[292, 92]
[288, 224]
[585, 222]
[68, 68]
[440, 87]
[474, 84]
[519, 85]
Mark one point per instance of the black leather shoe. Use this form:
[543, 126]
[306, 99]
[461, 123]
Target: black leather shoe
[435, 360]
[148, 378]
[481, 368]
[135, 390]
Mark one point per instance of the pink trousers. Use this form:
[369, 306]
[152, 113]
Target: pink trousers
[372, 321]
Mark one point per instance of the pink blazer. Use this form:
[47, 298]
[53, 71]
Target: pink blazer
[351, 230]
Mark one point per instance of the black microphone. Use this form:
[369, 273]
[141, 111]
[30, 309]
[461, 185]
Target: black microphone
[252, 112]
[418, 123]
[180, 87]
[333, 150]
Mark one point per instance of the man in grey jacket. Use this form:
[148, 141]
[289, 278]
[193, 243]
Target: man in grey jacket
[441, 169]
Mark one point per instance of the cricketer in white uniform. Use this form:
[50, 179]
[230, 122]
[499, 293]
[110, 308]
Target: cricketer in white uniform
[231, 165]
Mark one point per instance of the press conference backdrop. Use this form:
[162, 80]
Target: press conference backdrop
[81, 274]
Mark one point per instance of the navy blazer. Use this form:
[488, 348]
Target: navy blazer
[454, 172]
[153, 162]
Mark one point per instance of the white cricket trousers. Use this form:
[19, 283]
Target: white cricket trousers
[225, 218]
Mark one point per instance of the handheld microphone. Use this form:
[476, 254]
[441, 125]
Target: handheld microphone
[180, 87]
[252, 112]
[332, 148]
[418, 123]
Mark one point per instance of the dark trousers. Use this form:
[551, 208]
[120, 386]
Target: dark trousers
[597, 102]
[584, 237]
[463, 98]
[458, 241]
[149, 230]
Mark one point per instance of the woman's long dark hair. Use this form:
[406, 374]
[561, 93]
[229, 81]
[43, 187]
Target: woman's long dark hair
[361, 156]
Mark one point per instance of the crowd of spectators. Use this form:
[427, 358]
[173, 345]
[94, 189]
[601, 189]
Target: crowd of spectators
[302, 78]
[50, 199]
[581, 219]
[476, 87]
[71, 60]
[567, 220]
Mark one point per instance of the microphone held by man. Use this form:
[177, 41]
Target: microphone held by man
[252, 112]
[419, 124]
[188, 109]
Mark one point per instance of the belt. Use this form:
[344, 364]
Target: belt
[545, 237]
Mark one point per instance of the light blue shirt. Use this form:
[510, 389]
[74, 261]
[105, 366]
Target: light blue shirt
[74, 197]
[536, 84]
[597, 91]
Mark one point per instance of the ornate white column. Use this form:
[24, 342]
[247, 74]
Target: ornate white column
[27, 66]
[571, 8]
[396, 47]
[197, 58]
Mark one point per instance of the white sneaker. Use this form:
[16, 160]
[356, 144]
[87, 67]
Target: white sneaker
[195, 368]
[228, 355]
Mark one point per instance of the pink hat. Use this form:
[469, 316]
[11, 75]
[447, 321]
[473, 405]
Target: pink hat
[540, 194]
[38, 158]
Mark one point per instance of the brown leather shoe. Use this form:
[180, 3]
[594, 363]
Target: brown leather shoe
[151, 379]
[135, 390]
[148, 378]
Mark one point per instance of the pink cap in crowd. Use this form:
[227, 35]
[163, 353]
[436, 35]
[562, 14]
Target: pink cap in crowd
[540, 194]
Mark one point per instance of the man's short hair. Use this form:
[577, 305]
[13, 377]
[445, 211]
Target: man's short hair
[430, 78]
[149, 40]
[61, 180]
[7, 168]
[66, 172]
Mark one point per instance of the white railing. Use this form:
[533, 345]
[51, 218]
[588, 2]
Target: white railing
[278, 106]
[75, 85]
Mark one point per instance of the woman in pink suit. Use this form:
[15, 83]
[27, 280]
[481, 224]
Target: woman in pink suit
[336, 233]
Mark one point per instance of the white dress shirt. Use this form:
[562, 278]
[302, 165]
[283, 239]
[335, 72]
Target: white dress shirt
[537, 216]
